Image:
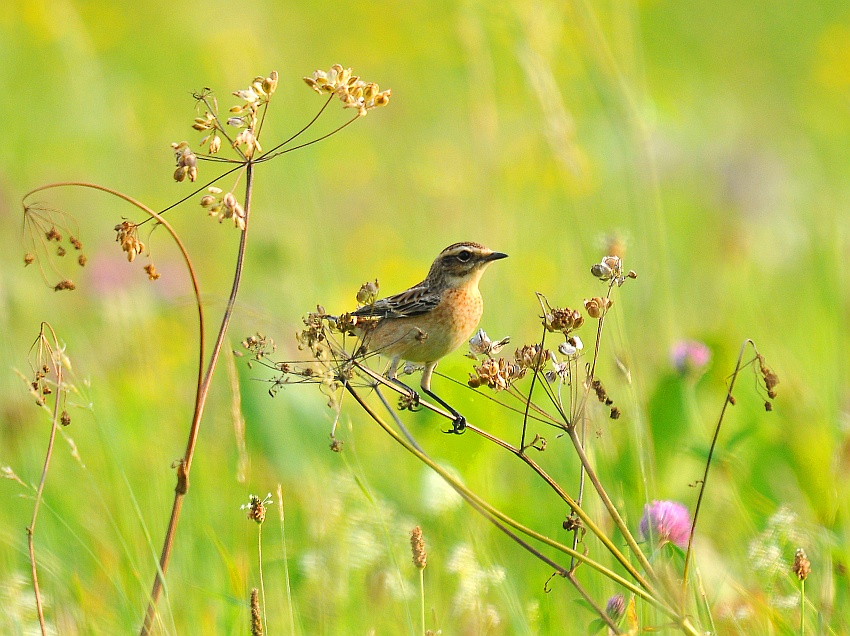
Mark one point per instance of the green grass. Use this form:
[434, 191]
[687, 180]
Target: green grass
[712, 137]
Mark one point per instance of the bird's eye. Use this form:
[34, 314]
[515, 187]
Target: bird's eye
[464, 256]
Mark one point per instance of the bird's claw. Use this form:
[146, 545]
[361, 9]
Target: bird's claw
[458, 426]
[408, 401]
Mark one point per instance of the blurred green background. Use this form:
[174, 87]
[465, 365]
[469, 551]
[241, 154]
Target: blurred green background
[711, 139]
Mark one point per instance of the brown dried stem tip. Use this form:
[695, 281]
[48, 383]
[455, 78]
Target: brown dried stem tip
[256, 617]
[802, 566]
[417, 547]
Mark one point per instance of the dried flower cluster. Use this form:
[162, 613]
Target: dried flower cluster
[562, 319]
[44, 236]
[224, 207]
[417, 548]
[611, 269]
[128, 237]
[368, 293]
[187, 162]
[256, 507]
[350, 89]
[481, 345]
[259, 345]
[496, 373]
[256, 615]
[246, 115]
[801, 567]
[597, 307]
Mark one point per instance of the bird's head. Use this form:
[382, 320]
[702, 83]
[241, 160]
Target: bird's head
[461, 264]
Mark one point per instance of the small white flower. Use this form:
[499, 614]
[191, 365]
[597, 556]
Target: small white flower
[566, 349]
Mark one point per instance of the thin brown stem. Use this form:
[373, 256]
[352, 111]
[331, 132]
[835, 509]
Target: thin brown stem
[54, 426]
[185, 465]
[726, 401]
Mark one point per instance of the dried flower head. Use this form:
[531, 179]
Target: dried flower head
[368, 293]
[496, 373]
[350, 89]
[42, 227]
[597, 306]
[417, 547]
[531, 356]
[151, 271]
[313, 335]
[562, 319]
[615, 609]
[481, 345]
[666, 521]
[801, 567]
[187, 162]
[256, 507]
[611, 269]
[572, 347]
[259, 345]
[128, 237]
[256, 615]
[248, 141]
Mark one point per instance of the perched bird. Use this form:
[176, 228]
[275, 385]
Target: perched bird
[433, 318]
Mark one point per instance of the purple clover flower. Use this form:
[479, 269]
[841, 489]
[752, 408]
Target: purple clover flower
[616, 607]
[690, 356]
[665, 521]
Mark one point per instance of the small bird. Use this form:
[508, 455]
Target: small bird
[430, 320]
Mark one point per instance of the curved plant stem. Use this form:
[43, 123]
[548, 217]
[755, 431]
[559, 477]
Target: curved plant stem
[54, 426]
[186, 462]
[189, 266]
[588, 522]
[495, 514]
[726, 401]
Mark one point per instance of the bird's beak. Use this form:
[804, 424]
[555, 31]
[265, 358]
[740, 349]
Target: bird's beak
[495, 256]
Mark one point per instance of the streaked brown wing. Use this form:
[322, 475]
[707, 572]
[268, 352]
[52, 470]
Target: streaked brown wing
[412, 302]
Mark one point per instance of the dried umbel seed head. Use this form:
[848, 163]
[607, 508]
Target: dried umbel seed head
[256, 507]
[531, 356]
[127, 235]
[28, 259]
[63, 285]
[368, 293]
[611, 269]
[350, 89]
[563, 319]
[801, 567]
[417, 548]
[65, 419]
[250, 142]
[187, 162]
[151, 271]
[496, 373]
[597, 306]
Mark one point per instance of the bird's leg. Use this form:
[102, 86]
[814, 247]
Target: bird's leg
[412, 396]
[459, 424]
